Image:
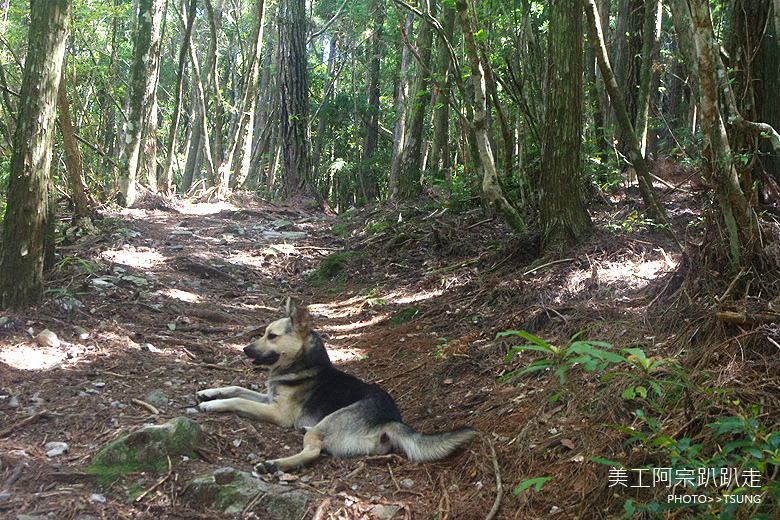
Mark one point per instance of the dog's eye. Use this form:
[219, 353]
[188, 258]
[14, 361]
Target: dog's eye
[272, 336]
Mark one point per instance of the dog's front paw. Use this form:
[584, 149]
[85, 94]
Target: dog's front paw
[266, 468]
[209, 394]
[212, 406]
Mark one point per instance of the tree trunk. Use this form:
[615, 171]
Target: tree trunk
[368, 163]
[440, 149]
[141, 87]
[491, 186]
[246, 106]
[400, 96]
[165, 178]
[419, 98]
[294, 89]
[562, 213]
[82, 208]
[652, 205]
[651, 46]
[28, 240]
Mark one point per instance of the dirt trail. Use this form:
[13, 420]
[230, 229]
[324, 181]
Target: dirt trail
[163, 300]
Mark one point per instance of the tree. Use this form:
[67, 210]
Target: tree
[653, 206]
[563, 217]
[27, 233]
[143, 80]
[491, 186]
[294, 90]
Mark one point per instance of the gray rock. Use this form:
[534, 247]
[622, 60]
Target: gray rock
[149, 448]
[156, 398]
[231, 491]
[385, 512]
[55, 448]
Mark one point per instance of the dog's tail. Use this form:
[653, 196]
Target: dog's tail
[423, 447]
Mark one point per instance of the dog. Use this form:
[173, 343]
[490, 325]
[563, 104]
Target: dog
[338, 413]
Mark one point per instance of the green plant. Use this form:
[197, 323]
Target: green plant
[331, 266]
[654, 374]
[561, 359]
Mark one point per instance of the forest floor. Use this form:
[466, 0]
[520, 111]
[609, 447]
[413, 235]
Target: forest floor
[163, 299]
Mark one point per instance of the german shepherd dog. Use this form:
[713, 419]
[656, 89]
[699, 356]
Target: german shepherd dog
[338, 413]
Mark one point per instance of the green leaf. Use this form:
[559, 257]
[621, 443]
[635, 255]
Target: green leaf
[606, 462]
[537, 484]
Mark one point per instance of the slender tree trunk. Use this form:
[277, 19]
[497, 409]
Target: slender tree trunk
[246, 105]
[81, 205]
[401, 96]
[165, 178]
[28, 240]
[243, 153]
[491, 186]
[142, 83]
[411, 161]
[440, 150]
[294, 89]
[651, 46]
[368, 166]
[564, 219]
[653, 207]
[322, 122]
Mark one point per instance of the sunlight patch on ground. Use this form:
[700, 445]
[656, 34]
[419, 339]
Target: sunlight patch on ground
[30, 357]
[180, 295]
[138, 258]
[400, 298]
[636, 274]
[349, 327]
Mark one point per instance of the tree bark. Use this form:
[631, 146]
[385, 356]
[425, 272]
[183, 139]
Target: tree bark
[400, 96]
[294, 89]
[651, 46]
[165, 178]
[562, 213]
[440, 149]
[419, 98]
[491, 186]
[82, 207]
[27, 235]
[368, 163]
[653, 207]
[142, 83]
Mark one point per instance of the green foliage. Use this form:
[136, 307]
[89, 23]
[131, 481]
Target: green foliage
[561, 359]
[746, 450]
[331, 267]
[536, 483]
[405, 316]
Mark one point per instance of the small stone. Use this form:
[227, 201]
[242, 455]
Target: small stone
[385, 512]
[54, 449]
[191, 411]
[97, 498]
[14, 402]
[156, 398]
[98, 384]
[407, 483]
[81, 332]
[48, 339]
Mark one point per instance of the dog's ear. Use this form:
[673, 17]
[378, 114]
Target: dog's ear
[301, 321]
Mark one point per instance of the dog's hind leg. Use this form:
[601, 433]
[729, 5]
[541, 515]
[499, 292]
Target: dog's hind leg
[312, 446]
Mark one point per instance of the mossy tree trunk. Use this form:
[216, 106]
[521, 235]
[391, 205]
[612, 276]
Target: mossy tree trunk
[27, 238]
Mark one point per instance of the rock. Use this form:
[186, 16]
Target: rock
[55, 448]
[30, 517]
[135, 280]
[231, 491]
[148, 448]
[81, 332]
[385, 512]
[97, 498]
[156, 398]
[280, 224]
[48, 339]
